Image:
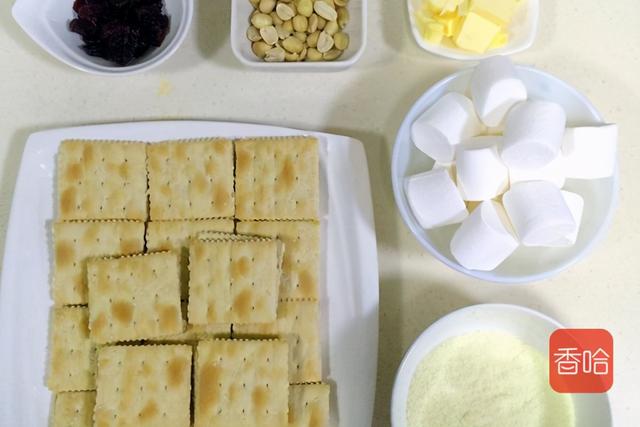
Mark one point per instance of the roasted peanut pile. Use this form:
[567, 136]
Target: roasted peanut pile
[298, 30]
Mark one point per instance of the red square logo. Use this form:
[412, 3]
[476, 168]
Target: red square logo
[581, 360]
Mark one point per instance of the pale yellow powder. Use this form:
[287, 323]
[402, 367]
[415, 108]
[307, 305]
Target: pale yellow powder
[486, 379]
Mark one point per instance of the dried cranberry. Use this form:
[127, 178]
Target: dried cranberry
[86, 29]
[120, 30]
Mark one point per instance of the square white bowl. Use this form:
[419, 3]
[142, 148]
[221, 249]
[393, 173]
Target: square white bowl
[47, 23]
[522, 34]
[356, 28]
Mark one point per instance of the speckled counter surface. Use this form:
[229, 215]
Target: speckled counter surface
[595, 48]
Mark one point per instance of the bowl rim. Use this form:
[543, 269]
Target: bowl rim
[105, 70]
[489, 276]
[462, 55]
[402, 373]
[298, 66]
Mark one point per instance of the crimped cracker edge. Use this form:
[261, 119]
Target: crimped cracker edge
[138, 255]
[99, 221]
[277, 138]
[103, 141]
[191, 140]
[282, 220]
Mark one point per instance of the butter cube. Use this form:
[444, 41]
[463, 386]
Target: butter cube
[434, 32]
[503, 10]
[450, 23]
[422, 20]
[443, 6]
[500, 40]
[464, 7]
[477, 32]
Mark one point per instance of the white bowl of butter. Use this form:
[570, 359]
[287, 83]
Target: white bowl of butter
[513, 33]
[499, 353]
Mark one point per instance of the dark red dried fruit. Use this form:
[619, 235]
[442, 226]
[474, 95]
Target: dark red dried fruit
[120, 31]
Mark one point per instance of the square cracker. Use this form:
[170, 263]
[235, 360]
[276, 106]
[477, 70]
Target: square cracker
[75, 242]
[102, 180]
[71, 353]
[309, 405]
[144, 386]
[241, 383]
[175, 235]
[298, 324]
[191, 179]
[277, 178]
[134, 297]
[74, 409]
[301, 264]
[233, 281]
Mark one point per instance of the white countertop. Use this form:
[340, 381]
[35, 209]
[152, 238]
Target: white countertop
[595, 48]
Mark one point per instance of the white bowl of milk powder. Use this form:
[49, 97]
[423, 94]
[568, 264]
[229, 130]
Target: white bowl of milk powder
[487, 365]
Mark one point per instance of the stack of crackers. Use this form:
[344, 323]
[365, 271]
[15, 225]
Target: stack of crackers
[185, 284]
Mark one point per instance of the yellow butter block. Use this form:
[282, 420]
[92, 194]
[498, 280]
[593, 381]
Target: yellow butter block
[500, 40]
[449, 21]
[501, 9]
[443, 6]
[464, 7]
[477, 32]
[434, 32]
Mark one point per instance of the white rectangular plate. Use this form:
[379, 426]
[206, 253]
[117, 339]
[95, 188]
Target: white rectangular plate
[349, 279]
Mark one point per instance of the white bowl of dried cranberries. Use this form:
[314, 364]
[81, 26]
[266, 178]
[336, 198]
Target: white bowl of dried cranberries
[108, 37]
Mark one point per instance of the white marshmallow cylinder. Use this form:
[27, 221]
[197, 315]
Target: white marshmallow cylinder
[434, 199]
[481, 175]
[554, 173]
[495, 89]
[539, 213]
[575, 202]
[533, 134]
[444, 125]
[485, 239]
[590, 152]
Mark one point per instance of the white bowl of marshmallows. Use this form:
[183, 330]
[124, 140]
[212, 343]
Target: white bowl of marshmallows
[506, 173]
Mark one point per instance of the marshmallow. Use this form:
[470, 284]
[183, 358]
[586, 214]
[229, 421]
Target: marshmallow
[495, 89]
[444, 125]
[533, 134]
[485, 239]
[553, 172]
[539, 213]
[590, 152]
[575, 202]
[480, 171]
[434, 199]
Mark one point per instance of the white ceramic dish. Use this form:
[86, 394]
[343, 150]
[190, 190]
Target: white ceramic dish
[241, 46]
[527, 264]
[532, 327]
[522, 34]
[349, 273]
[46, 22]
